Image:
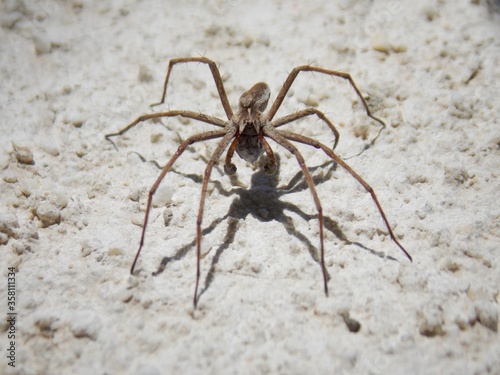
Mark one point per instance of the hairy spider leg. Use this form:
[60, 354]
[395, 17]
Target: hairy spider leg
[215, 73]
[309, 68]
[312, 142]
[308, 112]
[276, 136]
[188, 114]
[229, 134]
[195, 138]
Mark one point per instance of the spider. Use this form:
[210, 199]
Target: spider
[245, 133]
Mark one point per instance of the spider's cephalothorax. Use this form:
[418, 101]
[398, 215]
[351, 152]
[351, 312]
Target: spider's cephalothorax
[245, 132]
[249, 122]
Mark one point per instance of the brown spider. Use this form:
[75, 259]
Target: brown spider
[245, 132]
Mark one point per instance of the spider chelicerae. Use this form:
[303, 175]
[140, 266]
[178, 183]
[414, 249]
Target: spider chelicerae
[245, 133]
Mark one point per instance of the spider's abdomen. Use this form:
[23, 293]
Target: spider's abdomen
[249, 148]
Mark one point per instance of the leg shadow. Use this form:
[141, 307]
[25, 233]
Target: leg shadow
[262, 196]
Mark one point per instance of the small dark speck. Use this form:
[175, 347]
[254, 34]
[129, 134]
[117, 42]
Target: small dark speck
[352, 324]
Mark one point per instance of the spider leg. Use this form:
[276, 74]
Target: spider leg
[189, 114]
[312, 142]
[193, 139]
[280, 139]
[308, 112]
[228, 135]
[271, 166]
[215, 73]
[308, 68]
[229, 167]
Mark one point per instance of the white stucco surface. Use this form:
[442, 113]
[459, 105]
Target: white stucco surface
[72, 205]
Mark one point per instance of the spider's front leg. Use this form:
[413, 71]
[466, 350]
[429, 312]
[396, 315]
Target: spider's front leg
[215, 73]
[309, 68]
[275, 135]
[229, 134]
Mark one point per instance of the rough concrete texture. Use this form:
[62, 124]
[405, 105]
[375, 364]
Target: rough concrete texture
[72, 205]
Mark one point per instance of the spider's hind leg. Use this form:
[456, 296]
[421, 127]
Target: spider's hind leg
[312, 142]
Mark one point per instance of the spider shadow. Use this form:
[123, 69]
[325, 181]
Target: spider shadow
[261, 201]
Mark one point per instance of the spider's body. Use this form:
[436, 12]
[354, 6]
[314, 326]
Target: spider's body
[249, 147]
[249, 123]
[245, 133]
[250, 120]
